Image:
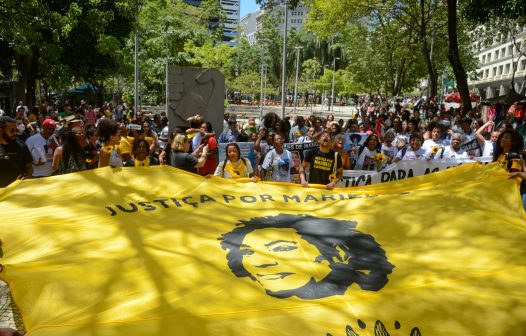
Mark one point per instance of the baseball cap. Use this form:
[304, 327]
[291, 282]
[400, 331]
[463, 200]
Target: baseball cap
[49, 124]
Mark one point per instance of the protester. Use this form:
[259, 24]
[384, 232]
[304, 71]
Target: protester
[388, 149]
[415, 150]
[180, 158]
[141, 155]
[278, 162]
[452, 151]
[234, 166]
[486, 146]
[211, 157]
[508, 151]
[337, 146]
[436, 138]
[367, 152]
[69, 157]
[15, 157]
[309, 136]
[42, 149]
[325, 166]
[299, 130]
[109, 137]
[231, 134]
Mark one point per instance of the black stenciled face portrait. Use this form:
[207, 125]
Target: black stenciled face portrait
[305, 256]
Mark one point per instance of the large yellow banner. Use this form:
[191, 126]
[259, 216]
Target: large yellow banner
[157, 251]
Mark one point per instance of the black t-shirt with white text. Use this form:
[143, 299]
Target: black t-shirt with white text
[321, 165]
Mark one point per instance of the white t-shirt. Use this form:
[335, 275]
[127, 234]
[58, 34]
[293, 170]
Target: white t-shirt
[281, 163]
[488, 148]
[419, 154]
[430, 143]
[365, 160]
[40, 151]
[449, 153]
[389, 152]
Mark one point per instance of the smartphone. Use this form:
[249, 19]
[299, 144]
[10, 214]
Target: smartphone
[134, 127]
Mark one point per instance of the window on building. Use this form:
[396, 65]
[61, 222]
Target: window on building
[494, 72]
[483, 59]
[489, 57]
[500, 70]
[510, 50]
[486, 73]
[507, 70]
[497, 54]
[523, 65]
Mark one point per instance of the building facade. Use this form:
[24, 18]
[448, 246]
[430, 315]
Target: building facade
[496, 61]
[252, 23]
[231, 10]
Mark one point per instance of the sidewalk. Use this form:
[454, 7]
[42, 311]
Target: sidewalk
[10, 316]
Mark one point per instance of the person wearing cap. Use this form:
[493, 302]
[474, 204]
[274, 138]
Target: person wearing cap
[231, 134]
[41, 150]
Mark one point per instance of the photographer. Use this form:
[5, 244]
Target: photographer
[508, 152]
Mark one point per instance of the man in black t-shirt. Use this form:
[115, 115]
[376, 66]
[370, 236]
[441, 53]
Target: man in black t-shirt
[325, 166]
[15, 158]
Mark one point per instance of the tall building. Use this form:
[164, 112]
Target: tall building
[230, 31]
[252, 23]
[495, 65]
[248, 26]
[231, 10]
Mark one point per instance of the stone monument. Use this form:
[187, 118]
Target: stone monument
[194, 91]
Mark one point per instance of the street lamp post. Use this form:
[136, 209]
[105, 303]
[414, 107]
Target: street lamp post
[262, 93]
[331, 104]
[167, 72]
[284, 65]
[296, 81]
[136, 75]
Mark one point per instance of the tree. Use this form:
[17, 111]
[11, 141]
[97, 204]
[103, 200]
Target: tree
[454, 56]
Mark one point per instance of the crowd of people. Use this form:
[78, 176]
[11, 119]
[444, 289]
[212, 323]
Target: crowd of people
[47, 140]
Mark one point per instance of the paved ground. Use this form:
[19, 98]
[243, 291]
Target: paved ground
[10, 316]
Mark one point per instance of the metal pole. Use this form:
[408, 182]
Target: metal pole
[284, 65]
[296, 81]
[166, 81]
[331, 104]
[136, 74]
[261, 99]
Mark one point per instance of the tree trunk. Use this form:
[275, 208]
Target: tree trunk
[426, 53]
[454, 56]
[25, 87]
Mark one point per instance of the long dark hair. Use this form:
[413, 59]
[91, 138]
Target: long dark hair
[517, 144]
[71, 149]
[232, 144]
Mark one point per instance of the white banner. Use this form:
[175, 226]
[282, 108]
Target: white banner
[402, 170]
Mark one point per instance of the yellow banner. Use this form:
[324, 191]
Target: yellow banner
[157, 251]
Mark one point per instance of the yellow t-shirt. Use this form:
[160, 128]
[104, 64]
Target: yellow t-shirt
[124, 146]
[516, 165]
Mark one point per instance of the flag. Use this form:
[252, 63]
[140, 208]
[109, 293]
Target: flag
[159, 251]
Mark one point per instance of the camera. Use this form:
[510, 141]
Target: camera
[513, 156]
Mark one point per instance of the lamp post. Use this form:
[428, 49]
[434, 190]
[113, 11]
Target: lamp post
[296, 81]
[167, 72]
[262, 93]
[331, 104]
[284, 63]
[136, 75]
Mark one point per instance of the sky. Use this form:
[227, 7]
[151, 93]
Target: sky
[248, 6]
